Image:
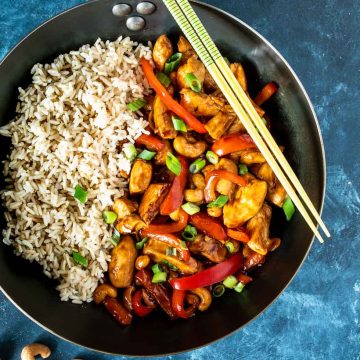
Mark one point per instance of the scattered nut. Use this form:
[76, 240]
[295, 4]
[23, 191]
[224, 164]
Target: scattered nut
[29, 352]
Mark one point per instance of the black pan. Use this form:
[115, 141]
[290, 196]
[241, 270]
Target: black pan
[294, 124]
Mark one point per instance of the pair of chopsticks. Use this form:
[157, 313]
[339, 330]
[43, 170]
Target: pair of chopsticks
[208, 52]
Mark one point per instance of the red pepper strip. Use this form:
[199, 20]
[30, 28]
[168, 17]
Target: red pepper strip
[178, 298]
[118, 311]
[266, 93]
[232, 143]
[150, 141]
[253, 260]
[172, 240]
[239, 235]
[166, 98]
[209, 276]
[244, 279]
[138, 307]
[170, 228]
[208, 225]
[214, 176]
[174, 198]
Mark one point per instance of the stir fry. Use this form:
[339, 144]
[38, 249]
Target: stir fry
[196, 217]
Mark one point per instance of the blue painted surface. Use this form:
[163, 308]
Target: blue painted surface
[317, 317]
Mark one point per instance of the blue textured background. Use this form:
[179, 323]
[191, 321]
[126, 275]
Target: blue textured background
[317, 317]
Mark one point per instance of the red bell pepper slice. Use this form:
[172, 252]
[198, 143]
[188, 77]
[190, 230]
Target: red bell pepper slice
[170, 228]
[137, 305]
[239, 235]
[214, 176]
[150, 141]
[232, 143]
[209, 276]
[172, 240]
[118, 311]
[244, 279]
[174, 197]
[166, 98]
[178, 298]
[208, 225]
[266, 93]
[254, 259]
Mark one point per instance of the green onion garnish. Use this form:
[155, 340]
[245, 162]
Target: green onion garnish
[219, 202]
[243, 169]
[170, 265]
[218, 290]
[189, 233]
[136, 104]
[190, 208]
[156, 268]
[163, 78]
[197, 165]
[173, 163]
[79, 259]
[239, 287]
[230, 246]
[226, 60]
[80, 194]
[130, 151]
[179, 124]
[289, 208]
[170, 251]
[159, 277]
[146, 155]
[230, 281]
[212, 157]
[172, 63]
[109, 216]
[193, 82]
[139, 245]
[183, 245]
[115, 237]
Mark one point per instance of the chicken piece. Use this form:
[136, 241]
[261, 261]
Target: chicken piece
[186, 49]
[188, 146]
[239, 73]
[163, 125]
[220, 123]
[123, 207]
[199, 181]
[151, 201]
[209, 83]
[200, 104]
[130, 224]
[258, 230]
[163, 49]
[276, 192]
[245, 204]
[156, 249]
[140, 176]
[160, 158]
[161, 174]
[225, 187]
[248, 157]
[236, 127]
[207, 169]
[252, 258]
[192, 66]
[206, 246]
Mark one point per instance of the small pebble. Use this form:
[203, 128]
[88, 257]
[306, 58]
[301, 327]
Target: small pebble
[135, 23]
[121, 9]
[145, 8]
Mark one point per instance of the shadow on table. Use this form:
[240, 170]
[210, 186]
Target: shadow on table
[7, 347]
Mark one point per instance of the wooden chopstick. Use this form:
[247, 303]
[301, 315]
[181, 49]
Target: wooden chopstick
[180, 10]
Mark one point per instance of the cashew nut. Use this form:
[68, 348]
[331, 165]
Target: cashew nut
[102, 291]
[142, 262]
[194, 195]
[199, 181]
[29, 352]
[205, 298]
[189, 147]
[214, 211]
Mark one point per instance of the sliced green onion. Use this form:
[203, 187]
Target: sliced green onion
[129, 151]
[226, 60]
[179, 124]
[136, 104]
[159, 277]
[170, 265]
[189, 233]
[173, 163]
[219, 202]
[146, 155]
[183, 245]
[190, 208]
[243, 169]
[212, 157]
[139, 245]
[80, 194]
[218, 290]
[197, 165]
[109, 216]
[172, 63]
[230, 246]
[156, 268]
[239, 287]
[193, 82]
[115, 237]
[79, 259]
[163, 78]
[289, 208]
[230, 281]
[170, 251]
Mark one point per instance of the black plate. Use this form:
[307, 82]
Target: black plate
[294, 123]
